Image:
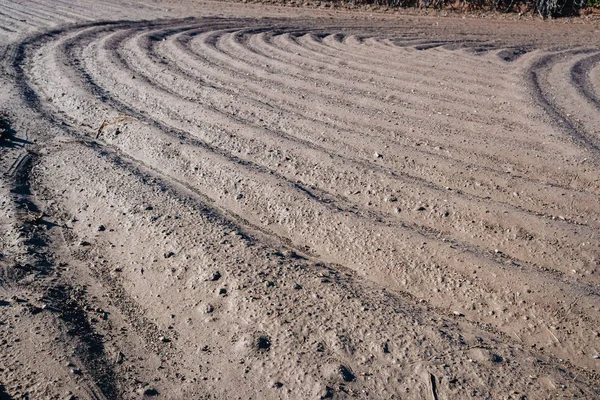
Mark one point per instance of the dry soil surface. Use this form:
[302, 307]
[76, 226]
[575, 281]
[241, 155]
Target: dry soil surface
[224, 200]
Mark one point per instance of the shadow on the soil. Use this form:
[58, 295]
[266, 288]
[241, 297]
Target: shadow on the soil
[8, 136]
[3, 394]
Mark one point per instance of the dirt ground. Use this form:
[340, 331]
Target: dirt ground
[219, 200]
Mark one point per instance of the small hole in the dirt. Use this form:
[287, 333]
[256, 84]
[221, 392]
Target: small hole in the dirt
[263, 343]
[151, 392]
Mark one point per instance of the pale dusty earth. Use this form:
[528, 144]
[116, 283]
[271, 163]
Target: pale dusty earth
[210, 200]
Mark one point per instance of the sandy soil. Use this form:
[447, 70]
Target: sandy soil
[225, 200]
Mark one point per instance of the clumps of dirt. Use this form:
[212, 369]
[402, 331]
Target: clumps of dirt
[254, 344]
[510, 55]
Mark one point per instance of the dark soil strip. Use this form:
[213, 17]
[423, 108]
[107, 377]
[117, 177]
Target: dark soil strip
[62, 298]
[545, 101]
[70, 302]
[581, 80]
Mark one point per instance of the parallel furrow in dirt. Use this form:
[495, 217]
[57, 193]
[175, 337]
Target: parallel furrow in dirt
[427, 209]
[573, 110]
[193, 118]
[404, 151]
[335, 332]
[581, 75]
[287, 152]
[368, 129]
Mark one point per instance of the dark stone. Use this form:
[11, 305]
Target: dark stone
[386, 348]
[346, 374]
